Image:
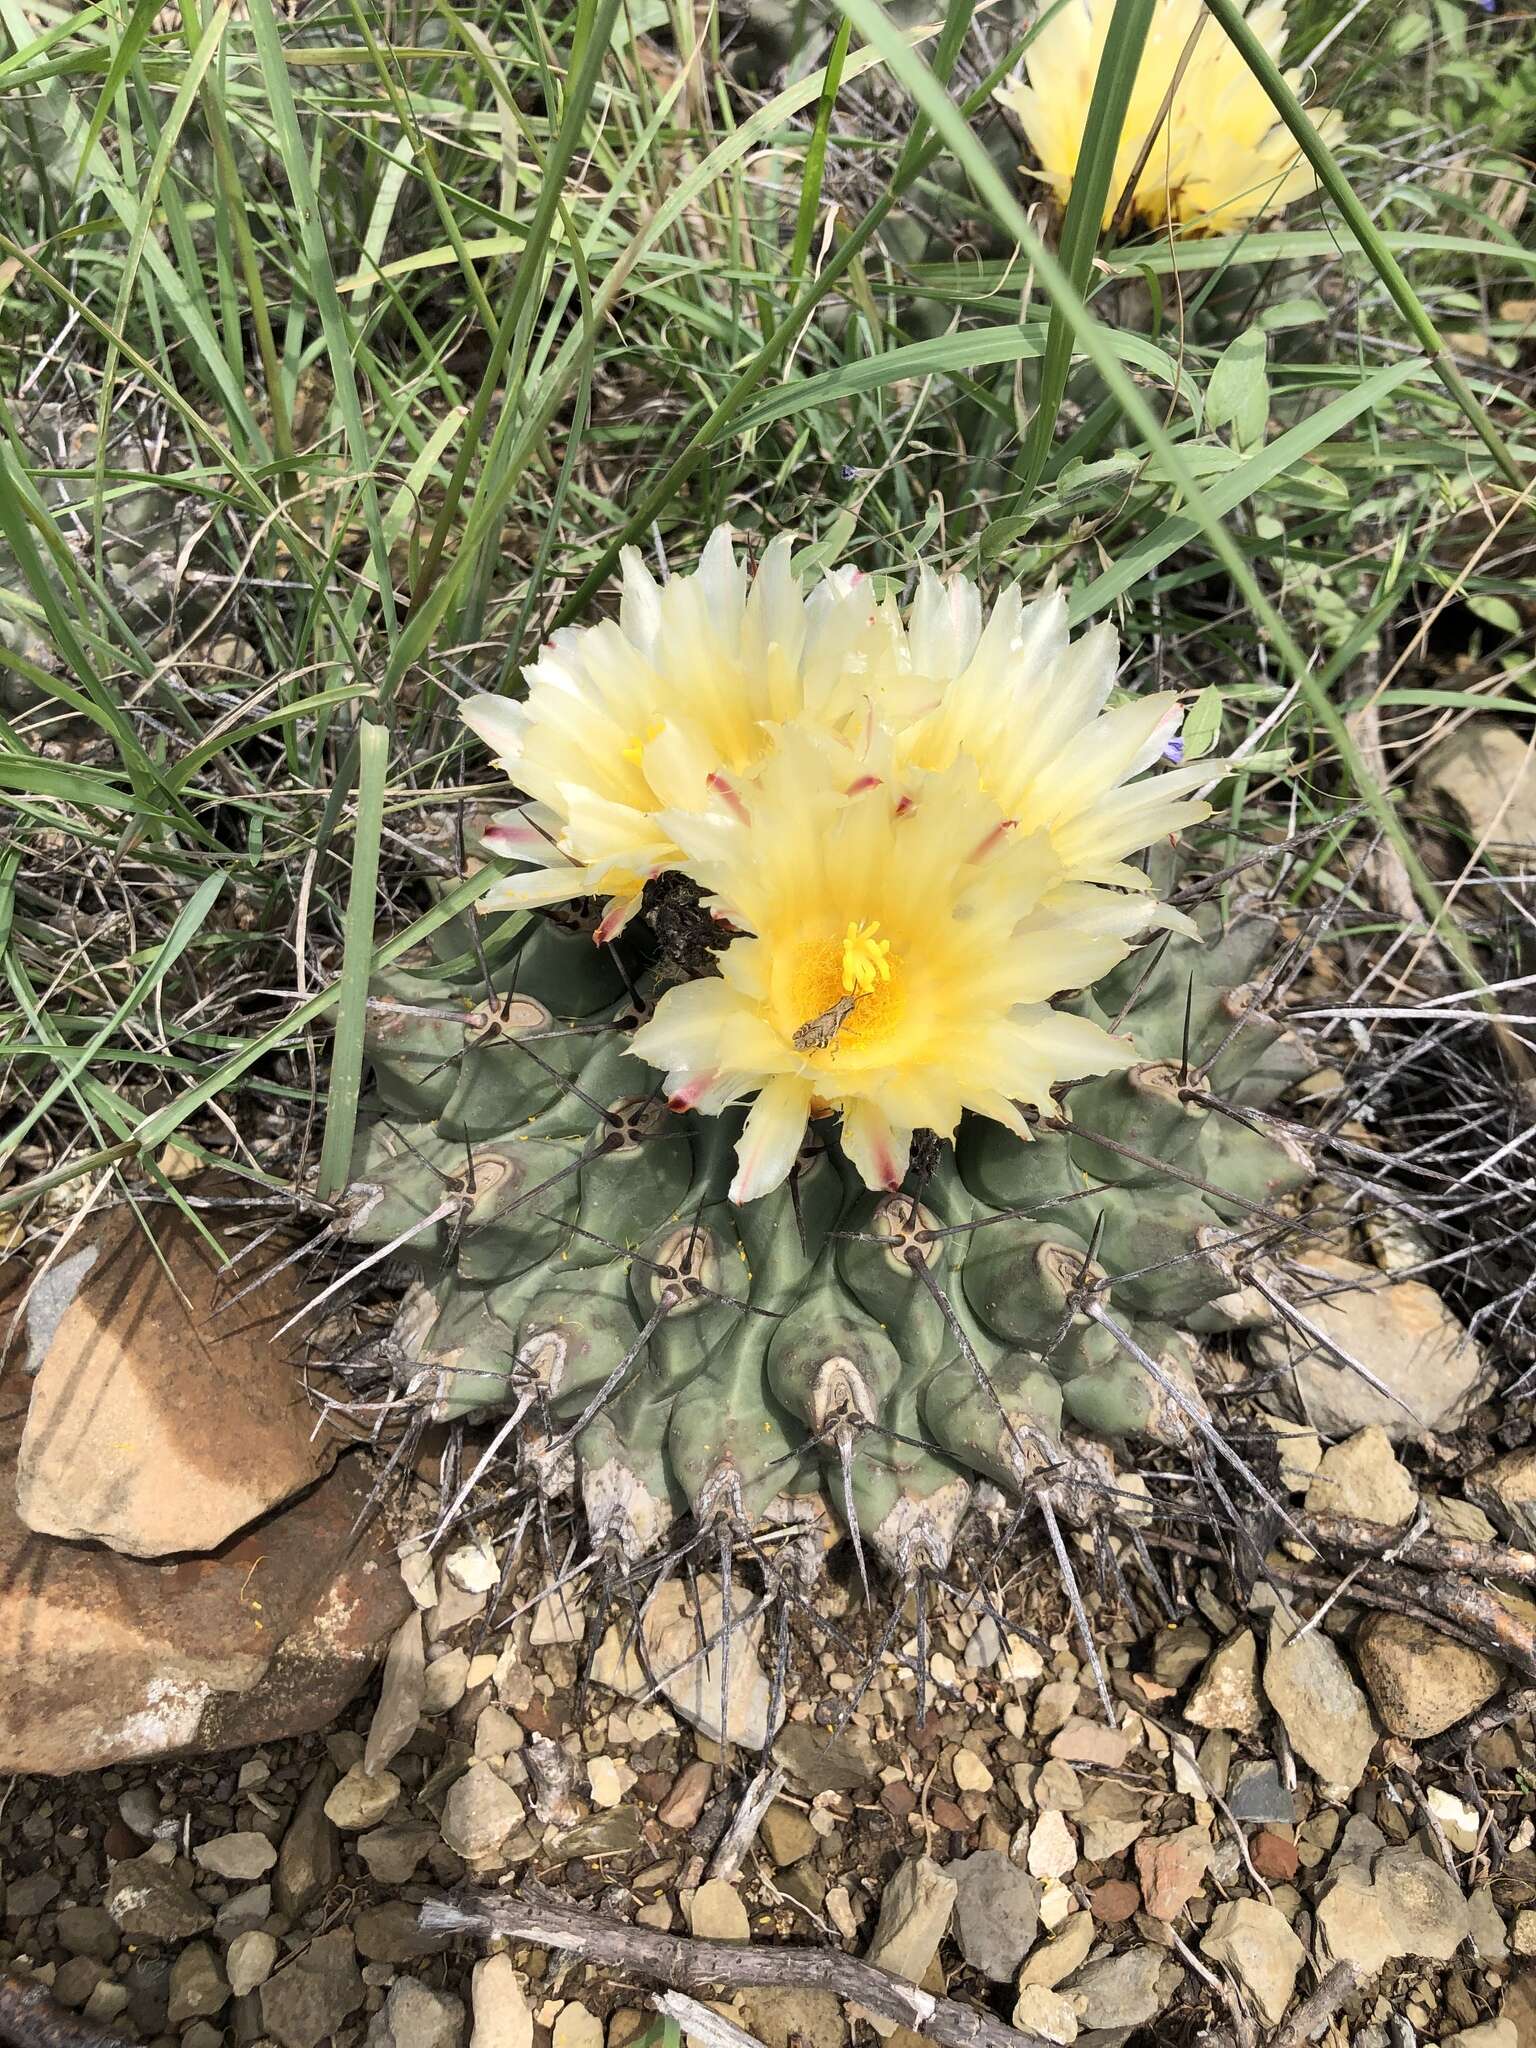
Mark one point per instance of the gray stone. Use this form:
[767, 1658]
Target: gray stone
[1358, 1847]
[1256, 1794]
[820, 1762]
[26, 1897]
[147, 1980]
[89, 1931]
[251, 1959]
[914, 1913]
[75, 1982]
[1127, 1989]
[1422, 1901]
[393, 1854]
[309, 1861]
[243, 1857]
[1324, 1711]
[787, 1834]
[481, 1810]
[678, 1618]
[1254, 1941]
[392, 1933]
[1110, 1816]
[415, 2016]
[1420, 1681]
[1400, 1331]
[246, 1909]
[997, 1910]
[314, 1994]
[396, 1716]
[106, 2002]
[149, 1900]
[139, 1809]
[1490, 1941]
[1178, 1653]
[198, 1984]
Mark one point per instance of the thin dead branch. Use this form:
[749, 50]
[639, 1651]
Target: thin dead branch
[682, 1964]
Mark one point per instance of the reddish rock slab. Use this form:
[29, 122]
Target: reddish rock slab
[162, 1421]
[108, 1658]
[1172, 1870]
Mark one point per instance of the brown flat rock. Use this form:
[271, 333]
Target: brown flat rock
[109, 1658]
[160, 1425]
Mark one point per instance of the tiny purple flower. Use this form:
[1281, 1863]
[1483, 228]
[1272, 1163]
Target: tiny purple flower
[1174, 750]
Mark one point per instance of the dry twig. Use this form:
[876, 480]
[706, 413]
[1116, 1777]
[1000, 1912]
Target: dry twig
[1317, 2009]
[718, 1966]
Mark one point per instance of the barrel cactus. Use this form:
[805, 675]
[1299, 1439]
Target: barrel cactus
[961, 1234]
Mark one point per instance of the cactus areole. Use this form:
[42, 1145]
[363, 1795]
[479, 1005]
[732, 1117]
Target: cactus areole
[824, 1109]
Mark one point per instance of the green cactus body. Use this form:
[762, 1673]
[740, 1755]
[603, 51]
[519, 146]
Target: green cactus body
[585, 1266]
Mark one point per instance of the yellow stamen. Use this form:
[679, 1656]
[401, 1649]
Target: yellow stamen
[865, 959]
[642, 740]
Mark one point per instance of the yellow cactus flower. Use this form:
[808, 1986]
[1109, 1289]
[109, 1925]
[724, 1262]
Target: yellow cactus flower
[1219, 159]
[901, 942]
[1026, 702]
[668, 707]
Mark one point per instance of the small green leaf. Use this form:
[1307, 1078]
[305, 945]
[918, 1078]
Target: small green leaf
[1497, 612]
[1406, 34]
[1305, 312]
[825, 553]
[1203, 724]
[1238, 393]
[1082, 479]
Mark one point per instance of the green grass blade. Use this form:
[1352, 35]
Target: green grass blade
[816, 155]
[133, 35]
[357, 954]
[1086, 204]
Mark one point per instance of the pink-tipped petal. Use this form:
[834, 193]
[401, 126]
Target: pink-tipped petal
[771, 1137]
[615, 917]
[878, 1151]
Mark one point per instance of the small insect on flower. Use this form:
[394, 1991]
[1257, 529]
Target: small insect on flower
[1201, 139]
[821, 1032]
